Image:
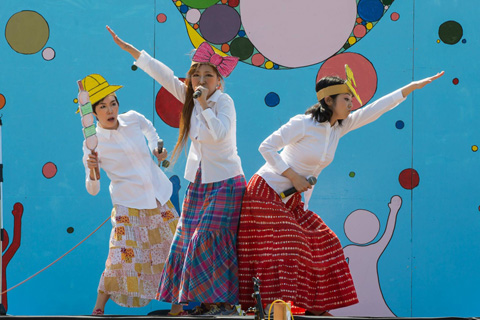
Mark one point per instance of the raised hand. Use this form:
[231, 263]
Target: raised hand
[124, 45]
[419, 84]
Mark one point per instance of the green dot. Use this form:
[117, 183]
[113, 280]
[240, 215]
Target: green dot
[450, 32]
[351, 174]
[70, 229]
[241, 48]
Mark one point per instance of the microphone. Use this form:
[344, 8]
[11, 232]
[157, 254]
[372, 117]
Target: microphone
[311, 179]
[197, 94]
[165, 163]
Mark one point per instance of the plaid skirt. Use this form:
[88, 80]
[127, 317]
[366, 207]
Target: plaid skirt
[292, 251]
[202, 265]
[139, 245]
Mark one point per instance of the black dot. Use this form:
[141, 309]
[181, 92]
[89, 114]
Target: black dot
[70, 229]
[134, 67]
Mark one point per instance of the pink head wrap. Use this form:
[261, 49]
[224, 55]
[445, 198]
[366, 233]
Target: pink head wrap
[205, 53]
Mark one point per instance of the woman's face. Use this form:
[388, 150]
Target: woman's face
[342, 105]
[107, 112]
[205, 76]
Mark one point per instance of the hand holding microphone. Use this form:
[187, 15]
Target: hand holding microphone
[198, 92]
[310, 179]
[164, 163]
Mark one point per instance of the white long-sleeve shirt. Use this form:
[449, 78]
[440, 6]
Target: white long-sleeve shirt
[212, 131]
[136, 180]
[309, 146]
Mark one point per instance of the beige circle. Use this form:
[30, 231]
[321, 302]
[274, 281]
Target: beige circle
[27, 32]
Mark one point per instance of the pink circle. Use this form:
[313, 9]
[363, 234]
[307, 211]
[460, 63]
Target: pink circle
[363, 72]
[193, 15]
[394, 16]
[359, 31]
[49, 170]
[48, 54]
[258, 59]
[161, 17]
[409, 179]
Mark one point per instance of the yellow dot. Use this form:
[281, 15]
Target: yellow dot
[369, 25]
[352, 40]
[474, 148]
[269, 64]
[75, 100]
[438, 40]
[178, 3]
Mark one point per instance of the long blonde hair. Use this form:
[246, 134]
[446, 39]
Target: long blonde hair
[187, 109]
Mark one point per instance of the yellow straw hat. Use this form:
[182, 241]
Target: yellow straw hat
[97, 87]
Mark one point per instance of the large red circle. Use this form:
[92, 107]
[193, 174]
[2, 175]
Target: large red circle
[363, 72]
[168, 107]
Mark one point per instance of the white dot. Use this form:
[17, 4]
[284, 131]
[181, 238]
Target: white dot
[48, 54]
[193, 15]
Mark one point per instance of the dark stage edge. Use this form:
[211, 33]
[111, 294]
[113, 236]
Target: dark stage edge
[165, 317]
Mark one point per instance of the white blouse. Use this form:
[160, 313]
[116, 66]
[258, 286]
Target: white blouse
[309, 146]
[212, 131]
[136, 180]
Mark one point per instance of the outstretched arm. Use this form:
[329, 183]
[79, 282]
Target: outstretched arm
[414, 85]
[374, 110]
[124, 45]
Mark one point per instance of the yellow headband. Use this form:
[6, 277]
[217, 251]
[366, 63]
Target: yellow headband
[347, 87]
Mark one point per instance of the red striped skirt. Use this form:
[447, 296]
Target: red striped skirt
[292, 251]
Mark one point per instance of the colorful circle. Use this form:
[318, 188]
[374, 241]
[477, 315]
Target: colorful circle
[363, 71]
[27, 32]
[219, 24]
[168, 107]
[272, 99]
[258, 59]
[370, 10]
[409, 179]
[241, 48]
[233, 3]
[351, 174]
[193, 15]
[352, 40]
[134, 67]
[464, 40]
[395, 16]
[199, 4]
[474, 148]
[49, 170]
[70, 230]
[269, 64]
[225, 47]
[161, 17]
[48, 54]
[3, 101]
[399, 124]
[455, 81]
[450, 32]
[359, 31]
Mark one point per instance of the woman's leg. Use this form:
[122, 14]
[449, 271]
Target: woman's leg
[102, 299]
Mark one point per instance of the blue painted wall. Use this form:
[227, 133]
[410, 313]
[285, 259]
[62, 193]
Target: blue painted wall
[429, 267]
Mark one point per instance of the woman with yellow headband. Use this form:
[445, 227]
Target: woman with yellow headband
[143, 218]
[288, 247]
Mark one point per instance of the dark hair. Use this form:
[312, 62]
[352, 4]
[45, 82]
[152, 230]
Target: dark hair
[94, 106]
[187, 109]
[320, 111]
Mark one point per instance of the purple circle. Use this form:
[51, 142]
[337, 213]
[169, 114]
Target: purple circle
[219, 24]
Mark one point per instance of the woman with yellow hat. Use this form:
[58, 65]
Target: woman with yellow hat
[143, 218]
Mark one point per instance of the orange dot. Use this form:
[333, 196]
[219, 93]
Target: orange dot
[225, 47]
[195, 26]
[224, 1]
[359, 20]
[2, 101]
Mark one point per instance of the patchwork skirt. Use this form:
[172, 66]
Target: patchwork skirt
[139, 244]
[292, 251]
[202, 265]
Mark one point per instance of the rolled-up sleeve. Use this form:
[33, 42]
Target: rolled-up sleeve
[372, 111]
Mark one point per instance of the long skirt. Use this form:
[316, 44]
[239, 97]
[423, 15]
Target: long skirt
[139, 245]
[202, 265]
[292, 251]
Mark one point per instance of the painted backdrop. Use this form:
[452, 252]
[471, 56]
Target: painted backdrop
[402, 193]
